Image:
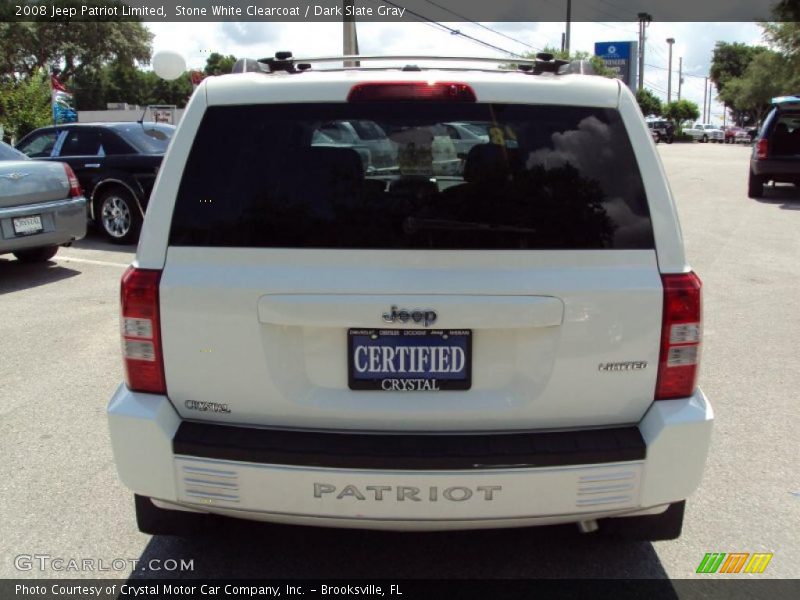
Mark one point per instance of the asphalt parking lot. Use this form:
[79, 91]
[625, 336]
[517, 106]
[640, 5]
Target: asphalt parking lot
[59, 364]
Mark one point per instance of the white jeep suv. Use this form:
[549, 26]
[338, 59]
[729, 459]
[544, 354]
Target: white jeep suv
[511, 342]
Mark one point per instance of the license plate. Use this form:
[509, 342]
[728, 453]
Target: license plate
[409, 360]
[28, 225]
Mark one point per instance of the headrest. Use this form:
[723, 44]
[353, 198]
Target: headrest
[487, 163]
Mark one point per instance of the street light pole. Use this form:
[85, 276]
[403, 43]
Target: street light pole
[680, 76]
[670, 41]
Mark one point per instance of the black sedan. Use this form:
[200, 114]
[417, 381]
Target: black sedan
[116, 165]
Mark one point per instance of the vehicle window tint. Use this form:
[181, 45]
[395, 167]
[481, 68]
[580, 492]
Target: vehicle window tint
[81, 141]
[40, 145]
[147, 138]
[367, 130]
[113, 144]
[785, 138]
[543, 177]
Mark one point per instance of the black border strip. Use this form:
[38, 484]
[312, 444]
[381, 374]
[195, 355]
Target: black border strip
[408, 451]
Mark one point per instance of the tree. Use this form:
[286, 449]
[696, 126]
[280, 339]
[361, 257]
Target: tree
[680, 111]
[24, 104]
[785, 34]
[217, 64]
[730, 61]
[118, 83]
[649, 103]
[71, 46]
[597, 63]
[769, 74]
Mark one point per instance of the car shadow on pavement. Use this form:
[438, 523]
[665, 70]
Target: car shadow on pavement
[16, 275]
[95, 240]
[234, 549]
[787, 196]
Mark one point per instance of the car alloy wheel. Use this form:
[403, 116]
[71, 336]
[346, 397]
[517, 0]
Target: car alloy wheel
[116, 216]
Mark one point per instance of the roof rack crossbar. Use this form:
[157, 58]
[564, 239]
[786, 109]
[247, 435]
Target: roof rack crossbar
[283, 61]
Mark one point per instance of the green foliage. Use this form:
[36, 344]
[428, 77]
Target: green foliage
[118, 82]
[597, 63]
[785, 35]
[71, 47]
[769, 74]
[217, 64]
[649, 103]
[681, 110]
[748, 77]
[24, 104]
[730, 61]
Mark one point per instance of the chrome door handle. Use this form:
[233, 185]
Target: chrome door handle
[92, 165]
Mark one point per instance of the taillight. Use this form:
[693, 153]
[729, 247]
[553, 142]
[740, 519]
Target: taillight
[762, 147]
[385, 91]
[141, 331]
[74, 187]
[681, 333]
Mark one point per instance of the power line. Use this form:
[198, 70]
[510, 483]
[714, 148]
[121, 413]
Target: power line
[453, 31]
[452, 12]
[612, 5]
[606, 13]
[666, 69]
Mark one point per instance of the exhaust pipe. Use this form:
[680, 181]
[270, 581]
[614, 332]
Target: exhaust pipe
[587, 526]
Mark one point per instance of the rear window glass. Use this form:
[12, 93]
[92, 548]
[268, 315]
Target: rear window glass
[785, 138]
[388, 176]
[148, 138]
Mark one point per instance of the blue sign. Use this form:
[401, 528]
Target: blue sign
[620, 57]
[613, 49]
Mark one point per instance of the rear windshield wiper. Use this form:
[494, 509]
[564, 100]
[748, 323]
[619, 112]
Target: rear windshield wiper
[413, 225]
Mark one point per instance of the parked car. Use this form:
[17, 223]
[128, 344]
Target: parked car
[706, 132]
[512, 344]
[776, 153]
[663, 130]
[116, 165]
[363, 133]
[41, 206]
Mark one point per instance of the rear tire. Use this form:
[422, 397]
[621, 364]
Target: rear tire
[117, 214]
[160, 521]
[36, 255]
[651, 528]
[755, 186]
[704, 139]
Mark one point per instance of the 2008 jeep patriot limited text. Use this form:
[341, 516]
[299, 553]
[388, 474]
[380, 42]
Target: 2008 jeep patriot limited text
[405, 332]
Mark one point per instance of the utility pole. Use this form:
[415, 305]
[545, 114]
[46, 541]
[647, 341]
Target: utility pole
[710, 89]
[644, 22]
[680, 76]
[705, 98]
[569, 19]
[349, 37]
[670, 41]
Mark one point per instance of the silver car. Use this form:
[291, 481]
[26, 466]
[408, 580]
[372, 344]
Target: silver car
[41, 206]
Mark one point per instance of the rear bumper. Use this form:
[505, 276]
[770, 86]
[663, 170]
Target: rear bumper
[781, 170]
[407, 482]
[62, 221]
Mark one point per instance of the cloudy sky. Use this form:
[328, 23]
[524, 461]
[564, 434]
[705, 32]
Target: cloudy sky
[693, 41]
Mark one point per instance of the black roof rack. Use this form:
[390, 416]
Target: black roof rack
[284, 62]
